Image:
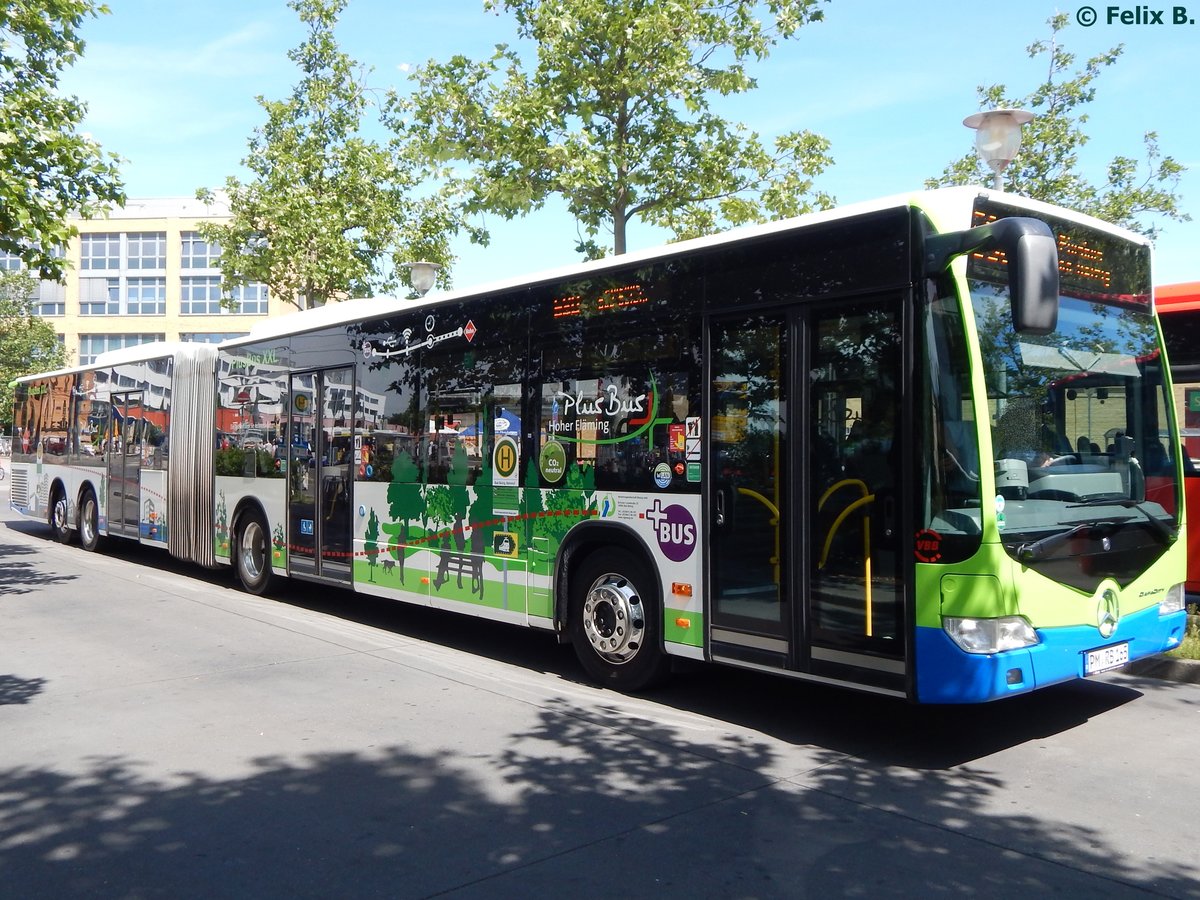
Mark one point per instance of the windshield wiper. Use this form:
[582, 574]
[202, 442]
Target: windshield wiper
[1162, 532]
[1040, 549]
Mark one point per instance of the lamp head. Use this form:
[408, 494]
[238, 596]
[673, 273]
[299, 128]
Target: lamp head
[422, 275]
[998, 135]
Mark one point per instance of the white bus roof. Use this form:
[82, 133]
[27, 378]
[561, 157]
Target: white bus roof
[946, 206]
[133, 354]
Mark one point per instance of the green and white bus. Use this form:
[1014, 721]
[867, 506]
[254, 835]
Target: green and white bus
[923, 447]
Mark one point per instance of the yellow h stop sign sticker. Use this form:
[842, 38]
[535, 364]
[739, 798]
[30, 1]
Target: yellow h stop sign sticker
[505, 459]
[504, 462]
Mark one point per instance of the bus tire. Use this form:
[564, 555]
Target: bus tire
[89, 522]
[616, 622]
[252, 553]
[60, 516]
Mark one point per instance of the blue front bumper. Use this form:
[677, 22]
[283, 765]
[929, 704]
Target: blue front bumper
[946, 674]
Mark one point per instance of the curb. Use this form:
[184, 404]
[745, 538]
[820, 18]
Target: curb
[1166, 668]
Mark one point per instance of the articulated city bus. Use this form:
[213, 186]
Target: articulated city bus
[1178, 307]
[923, 447]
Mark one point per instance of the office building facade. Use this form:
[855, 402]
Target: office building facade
[142, 274]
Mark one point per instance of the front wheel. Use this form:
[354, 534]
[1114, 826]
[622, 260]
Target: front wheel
[616, 622]
[89, 522]
[252, 554]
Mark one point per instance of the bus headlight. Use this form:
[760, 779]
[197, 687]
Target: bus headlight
[1173, 602]
[990, 635]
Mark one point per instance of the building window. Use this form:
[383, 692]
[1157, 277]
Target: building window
[146, 297]
[251, 299]
[50, 299]
[148, 250]
[12, 262]
[200, 295]
[100, 251]
[99, 296]
[92, 345]
[211, 338]
[197, 253]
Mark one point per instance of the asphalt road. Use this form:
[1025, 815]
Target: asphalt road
[165, 735]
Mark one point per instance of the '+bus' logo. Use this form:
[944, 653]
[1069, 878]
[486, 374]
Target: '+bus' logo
[674, 528]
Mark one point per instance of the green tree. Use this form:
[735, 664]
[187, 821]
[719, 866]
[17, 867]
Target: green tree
[328, 213]
[615, 117]
[48, 171]
[482, 513]
[28, 342]
[532, 501]
[405, 502]
[371, 545]
[439, 506]
[1048, 167]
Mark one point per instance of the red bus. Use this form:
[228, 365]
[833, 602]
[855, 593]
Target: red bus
[1179, 310]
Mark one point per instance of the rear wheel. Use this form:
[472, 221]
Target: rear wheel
[616, 622]
[89, 522]
[60, 516]
[252, 553]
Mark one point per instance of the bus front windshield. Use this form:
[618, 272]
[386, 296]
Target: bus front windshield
[1084, 447]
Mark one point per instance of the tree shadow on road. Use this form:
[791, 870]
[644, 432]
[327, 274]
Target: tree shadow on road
[16, 691]
[588, 799]
[26, 574]
[591, 802]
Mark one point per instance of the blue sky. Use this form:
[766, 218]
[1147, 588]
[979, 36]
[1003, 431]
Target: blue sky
[171, 88]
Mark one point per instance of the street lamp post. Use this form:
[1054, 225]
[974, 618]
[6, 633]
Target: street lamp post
[998, 137]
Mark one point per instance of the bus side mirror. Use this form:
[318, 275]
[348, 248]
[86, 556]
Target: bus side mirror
[1032, 255]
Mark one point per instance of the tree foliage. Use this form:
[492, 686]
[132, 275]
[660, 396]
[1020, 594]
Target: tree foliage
[614, 117]
[48, 171]
[28, 343]
[1048, 167]
[327, 213]
[371, 545]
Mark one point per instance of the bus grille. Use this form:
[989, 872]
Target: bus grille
[20, 487]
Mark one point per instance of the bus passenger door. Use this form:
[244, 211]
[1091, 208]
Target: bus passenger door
[803, 501]
[750, 523]
[855, 598]
[124, 463]
[320, 478]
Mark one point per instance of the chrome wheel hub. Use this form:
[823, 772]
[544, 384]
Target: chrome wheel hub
[614, 620]
[253, 550]
[61, 514]
[87, 521]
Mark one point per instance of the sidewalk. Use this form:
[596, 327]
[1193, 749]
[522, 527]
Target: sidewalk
[1167, 668]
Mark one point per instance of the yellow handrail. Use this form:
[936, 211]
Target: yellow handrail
[774, 523]
[866, 498]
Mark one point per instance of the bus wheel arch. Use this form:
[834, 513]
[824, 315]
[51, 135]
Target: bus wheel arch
[251, 547]
[89, 519]
[613, 606]
[58, 515]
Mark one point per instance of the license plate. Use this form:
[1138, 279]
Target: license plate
[1105, 658]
